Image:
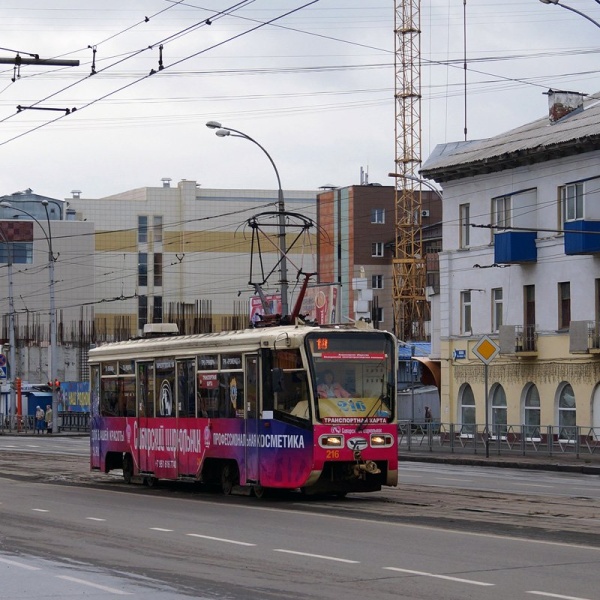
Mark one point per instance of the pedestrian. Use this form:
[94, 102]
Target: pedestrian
[49, 419]
[39, 420]
[428, 415]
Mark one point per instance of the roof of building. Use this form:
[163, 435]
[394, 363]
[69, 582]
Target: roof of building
[540, 140]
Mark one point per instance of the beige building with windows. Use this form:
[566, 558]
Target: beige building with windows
[183, 254]
[521, 241]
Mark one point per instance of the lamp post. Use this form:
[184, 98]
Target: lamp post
[223, 131]
[572, 10]
[11, 326]
[51, 260]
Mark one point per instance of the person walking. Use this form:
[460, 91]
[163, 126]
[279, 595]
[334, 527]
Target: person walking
[49, 419]
[39, 420]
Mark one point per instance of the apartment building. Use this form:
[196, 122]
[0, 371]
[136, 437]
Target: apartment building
[520, 265]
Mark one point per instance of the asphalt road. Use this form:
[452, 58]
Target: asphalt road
[205, 545]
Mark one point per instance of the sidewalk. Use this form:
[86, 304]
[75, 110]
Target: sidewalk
[588, 464]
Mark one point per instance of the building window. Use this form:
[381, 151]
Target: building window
[377, 282]
[158, 271]
[572, 201]
[465, 225]
[496, 309]
[529, 297]
[157, 224]
[564, 305]
[142, 269]
[465, 312]
[22, 253]
[378, 215]
[142, 229]
[377, 249]
[502, 212]
[157, 309]
[531, 417]
[499, 412]
[377, 314]
[567, 414]
[467, 411]
[142, 311]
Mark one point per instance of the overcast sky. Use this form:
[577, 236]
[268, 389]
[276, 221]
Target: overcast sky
[315, 87]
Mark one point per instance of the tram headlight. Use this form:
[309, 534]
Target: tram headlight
[381, 440]
[331, 441]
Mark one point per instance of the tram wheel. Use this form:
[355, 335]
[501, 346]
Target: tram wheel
[127, 468]
[259, 492]
[230, 477]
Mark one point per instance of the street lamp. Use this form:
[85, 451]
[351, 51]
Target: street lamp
[572, 10]
[422, 181]
[223, 131]
[11, 325]
[51, 260]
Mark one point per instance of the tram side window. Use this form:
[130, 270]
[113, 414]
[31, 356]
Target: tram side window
[186, 401]
[126, 397]
[146, 389]
[108, 397]
[220, 395]
[165, 387]
[290, 385]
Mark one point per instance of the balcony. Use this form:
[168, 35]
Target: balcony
[584, 337]
[515, 247]
[520, 340]
[582, 237]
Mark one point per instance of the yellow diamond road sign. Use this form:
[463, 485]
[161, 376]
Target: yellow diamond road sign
[486, 349]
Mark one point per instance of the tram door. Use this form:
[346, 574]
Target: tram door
[251, 412]
[144, 409]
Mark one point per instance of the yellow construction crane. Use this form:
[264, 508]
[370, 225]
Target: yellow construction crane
[410, 303]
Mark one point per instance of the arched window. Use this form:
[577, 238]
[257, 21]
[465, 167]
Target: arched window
[498, 411]
[467, 410]
[531, 413]
[567, 413]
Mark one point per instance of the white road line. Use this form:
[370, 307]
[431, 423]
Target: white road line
[104, 588]
[557, 596]
[14, 563]
[161, 529]
[216, 539]
[94, 519]
[436, 576]
[532, 485]
[39, 510]
[344, 560]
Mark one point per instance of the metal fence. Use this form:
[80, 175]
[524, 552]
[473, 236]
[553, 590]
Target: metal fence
[67, 421]
[500, 439]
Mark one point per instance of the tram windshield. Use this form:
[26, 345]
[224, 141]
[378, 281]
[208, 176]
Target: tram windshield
[353, 376]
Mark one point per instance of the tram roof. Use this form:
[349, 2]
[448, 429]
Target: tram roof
[290, 336]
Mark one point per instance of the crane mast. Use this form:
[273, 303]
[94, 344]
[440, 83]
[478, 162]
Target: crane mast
[410, 303]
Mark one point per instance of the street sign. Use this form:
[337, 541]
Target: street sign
[3, 374]
[459, 354]
[486, 350]
[2, 360]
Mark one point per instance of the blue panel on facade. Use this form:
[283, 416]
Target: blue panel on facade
[515, 247]
[582, 237]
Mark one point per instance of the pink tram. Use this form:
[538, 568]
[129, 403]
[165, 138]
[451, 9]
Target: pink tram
[286, 407]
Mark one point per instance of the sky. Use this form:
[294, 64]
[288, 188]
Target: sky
[312, 82]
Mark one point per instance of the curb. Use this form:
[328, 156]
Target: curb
[506, 463]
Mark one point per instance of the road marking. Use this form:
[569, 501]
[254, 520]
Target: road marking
[14, 563]
[216, 539]
[557, 596]
[344, 560]
[104, 588]
[533, 485]
[39, 510]
[161, 529]
[436, 576]
[94, 519]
